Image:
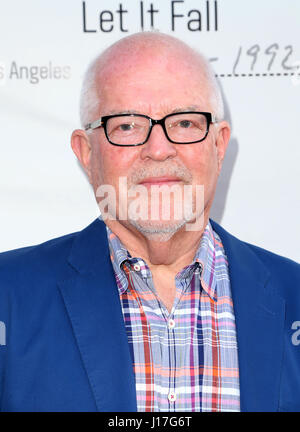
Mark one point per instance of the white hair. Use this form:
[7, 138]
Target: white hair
[216, 98]
[90, 98]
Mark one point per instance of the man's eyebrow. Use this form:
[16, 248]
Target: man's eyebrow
[186, 108]
[178, 109]
[115, 112]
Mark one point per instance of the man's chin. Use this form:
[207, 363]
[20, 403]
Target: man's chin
[161, 231]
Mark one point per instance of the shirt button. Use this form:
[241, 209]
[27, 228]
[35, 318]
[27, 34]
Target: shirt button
[137, 267]
[172, 396]
[171, 324]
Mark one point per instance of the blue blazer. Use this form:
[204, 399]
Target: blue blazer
[66, 345]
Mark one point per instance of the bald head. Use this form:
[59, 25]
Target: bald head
[150, 50]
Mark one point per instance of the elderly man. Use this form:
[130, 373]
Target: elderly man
[148, 313]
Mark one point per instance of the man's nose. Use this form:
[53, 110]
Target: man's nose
[158, 147]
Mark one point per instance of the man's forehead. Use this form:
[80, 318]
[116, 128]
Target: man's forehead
[160, 90]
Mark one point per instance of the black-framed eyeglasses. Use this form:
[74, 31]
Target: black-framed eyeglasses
[129, 130]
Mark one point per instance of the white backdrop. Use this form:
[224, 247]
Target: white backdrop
[254, 46]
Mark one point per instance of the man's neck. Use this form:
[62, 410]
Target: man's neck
[166, 256]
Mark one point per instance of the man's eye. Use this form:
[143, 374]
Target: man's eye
[185, 124]
[126, 126]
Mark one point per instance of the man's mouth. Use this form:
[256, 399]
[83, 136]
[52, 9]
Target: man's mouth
[160, 181]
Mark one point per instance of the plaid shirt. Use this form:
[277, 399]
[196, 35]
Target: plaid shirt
[185, 360]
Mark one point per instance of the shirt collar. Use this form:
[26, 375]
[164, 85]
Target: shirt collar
[205, 258]
[118, 255]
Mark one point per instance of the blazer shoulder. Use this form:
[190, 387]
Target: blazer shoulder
[284, 273]
[277, 263]
[268, 257]
[33, 261]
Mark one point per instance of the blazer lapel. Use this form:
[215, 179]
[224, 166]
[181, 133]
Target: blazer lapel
[259, 314]
[92, 302]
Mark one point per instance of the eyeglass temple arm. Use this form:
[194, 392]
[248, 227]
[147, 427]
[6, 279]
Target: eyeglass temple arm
[93, 125]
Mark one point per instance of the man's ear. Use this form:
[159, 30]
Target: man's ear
[81, 146]
[223, 136]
